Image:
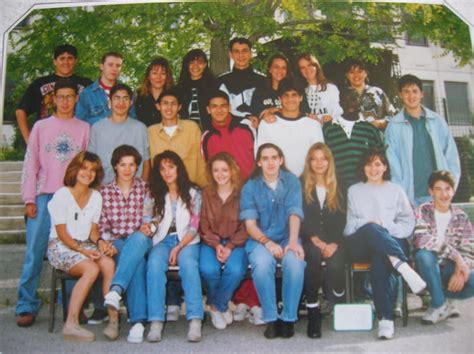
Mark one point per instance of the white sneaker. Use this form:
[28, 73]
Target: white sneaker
[386, 329]
[154, 334]
[194, 332]
[172, 313]
[398, 311]
[452, 309]
[256, 316]
[228, 317]
[218, 320]
[414, 281]
[135, 335]
[241, 312]
[112, 299]
[433, 316]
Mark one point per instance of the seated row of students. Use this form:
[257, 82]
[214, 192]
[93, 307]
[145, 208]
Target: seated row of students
[163, 229]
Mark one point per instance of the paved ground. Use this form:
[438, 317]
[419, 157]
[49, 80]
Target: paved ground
[452, 336]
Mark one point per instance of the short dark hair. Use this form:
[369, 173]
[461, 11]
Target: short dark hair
[240, 40]
[121, 87]
[218, 94]
[65, 83]
[65, 48]
[110, 54]
[409, 79]
[369, 156]
[170, 92]
[444, 176]
[122, 151]
[287, 84]
[355, 63]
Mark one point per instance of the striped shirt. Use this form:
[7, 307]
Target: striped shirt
[348, 151]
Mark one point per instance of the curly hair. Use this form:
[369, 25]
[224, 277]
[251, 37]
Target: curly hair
[158, 186]
[230, 161]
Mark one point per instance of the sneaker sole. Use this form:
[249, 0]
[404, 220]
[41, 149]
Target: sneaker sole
[134, 340]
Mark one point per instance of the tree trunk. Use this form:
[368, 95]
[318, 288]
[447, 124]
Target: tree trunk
[219, 56]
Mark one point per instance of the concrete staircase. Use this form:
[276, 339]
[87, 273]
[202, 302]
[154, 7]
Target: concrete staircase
[12, 224]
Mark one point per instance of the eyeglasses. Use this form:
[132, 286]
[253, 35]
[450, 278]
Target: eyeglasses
[121, 98]
[65, 97]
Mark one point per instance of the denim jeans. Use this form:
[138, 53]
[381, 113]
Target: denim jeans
[157, 266]
[130, 273]
[221, 283]
[372, 243]
[437, 278]
[263, 273]
[37, 237]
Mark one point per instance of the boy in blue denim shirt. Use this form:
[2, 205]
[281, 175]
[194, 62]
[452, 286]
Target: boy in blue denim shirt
[271, 205]
[94, 101]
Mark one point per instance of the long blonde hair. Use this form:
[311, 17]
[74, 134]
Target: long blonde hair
[309, 179]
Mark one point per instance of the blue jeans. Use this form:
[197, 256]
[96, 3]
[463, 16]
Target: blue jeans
[157, 266]
[37, 236]
[372, 243]
[263, 274]
[437, 278]
[221, 284]
[130, 273]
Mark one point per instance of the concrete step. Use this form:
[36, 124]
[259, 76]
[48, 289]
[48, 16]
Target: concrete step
[11, 176]
[12, 210]
[8, 223]
[10, 199]
[10, 187]
[7, 166]
[12, 263]
[11, 237]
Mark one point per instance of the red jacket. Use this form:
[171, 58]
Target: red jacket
[234, 138]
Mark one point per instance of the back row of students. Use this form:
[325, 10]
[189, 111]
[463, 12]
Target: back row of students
[347, 135]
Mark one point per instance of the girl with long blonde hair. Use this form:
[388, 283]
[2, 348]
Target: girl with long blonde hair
[321, 232]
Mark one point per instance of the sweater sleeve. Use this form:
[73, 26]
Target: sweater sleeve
[463, 244]
[31, 167]
[353, 221]
[404, 223]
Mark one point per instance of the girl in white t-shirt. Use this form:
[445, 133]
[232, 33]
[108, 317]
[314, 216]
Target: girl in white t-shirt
[75, 245]
[321, 97]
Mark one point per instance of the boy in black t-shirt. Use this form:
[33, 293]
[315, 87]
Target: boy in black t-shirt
[38, 96]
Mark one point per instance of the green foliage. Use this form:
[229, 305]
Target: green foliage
[333, 31]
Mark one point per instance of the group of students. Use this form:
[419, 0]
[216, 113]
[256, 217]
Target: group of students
[206, 178]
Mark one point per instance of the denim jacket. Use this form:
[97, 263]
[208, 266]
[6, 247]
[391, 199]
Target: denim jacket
[272, 209]
[399, 138]
[93, 104]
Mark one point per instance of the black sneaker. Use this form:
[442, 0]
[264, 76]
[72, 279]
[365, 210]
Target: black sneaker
[272, 330]
[287, 329]
[98, 316]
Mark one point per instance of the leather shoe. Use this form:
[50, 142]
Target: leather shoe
[314, 323]
[25, 319]
[272, 330]
[287, 329]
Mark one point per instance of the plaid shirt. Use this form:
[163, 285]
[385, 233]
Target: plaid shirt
[122, 216]
[459, 237]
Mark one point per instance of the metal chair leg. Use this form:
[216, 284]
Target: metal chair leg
[52, 301]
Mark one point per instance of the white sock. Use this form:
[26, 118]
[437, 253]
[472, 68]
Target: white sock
[313, 306]
[414, 281]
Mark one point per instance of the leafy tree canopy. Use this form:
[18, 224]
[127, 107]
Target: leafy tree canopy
[333, 31]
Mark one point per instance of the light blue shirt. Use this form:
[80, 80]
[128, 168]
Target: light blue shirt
[272, 208]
